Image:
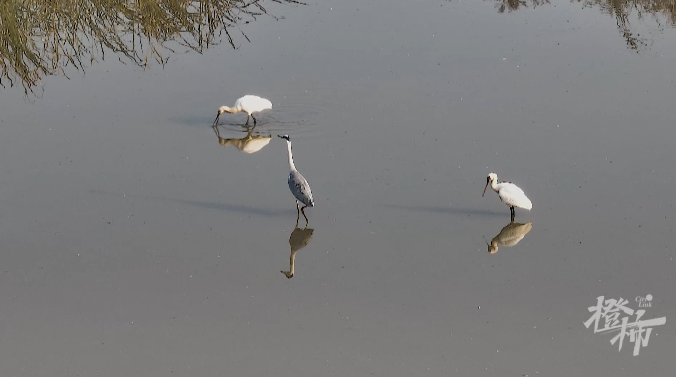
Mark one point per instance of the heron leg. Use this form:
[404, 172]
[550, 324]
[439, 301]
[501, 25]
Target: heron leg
[254, 118]
[511, 211]
[297, 213]
[302, 210]
[247, 120]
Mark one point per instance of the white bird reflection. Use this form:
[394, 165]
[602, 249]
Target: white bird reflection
[509, 236]
[299, 239]
[249, 144]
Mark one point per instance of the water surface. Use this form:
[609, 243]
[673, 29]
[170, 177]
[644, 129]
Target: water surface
[135, 243]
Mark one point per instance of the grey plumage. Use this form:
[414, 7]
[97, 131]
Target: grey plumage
[300, 188]
[297, 183]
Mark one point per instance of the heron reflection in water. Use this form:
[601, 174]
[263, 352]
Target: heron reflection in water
[509, 236]
[249, 144]
[299, 239]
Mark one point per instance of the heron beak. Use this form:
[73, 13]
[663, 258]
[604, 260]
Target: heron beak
[216, 120]
[488, 180]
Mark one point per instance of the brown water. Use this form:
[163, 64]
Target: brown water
[134, 244]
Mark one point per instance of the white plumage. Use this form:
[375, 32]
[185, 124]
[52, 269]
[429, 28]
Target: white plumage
[509, 193]
[249, 104]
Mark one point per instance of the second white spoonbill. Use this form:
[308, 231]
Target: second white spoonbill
[509, 193]
[249, 104]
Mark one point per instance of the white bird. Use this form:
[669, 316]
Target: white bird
[249, 104]
[509, 193]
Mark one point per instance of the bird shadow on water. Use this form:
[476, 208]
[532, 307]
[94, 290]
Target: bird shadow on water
[230, 207]
[449, 210]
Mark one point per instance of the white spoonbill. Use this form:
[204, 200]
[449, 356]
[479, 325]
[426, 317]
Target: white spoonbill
[249, 104]
[509, 193]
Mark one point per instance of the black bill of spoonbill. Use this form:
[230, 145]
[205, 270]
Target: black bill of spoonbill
[249, 104]
[509, 193]
[297, 183]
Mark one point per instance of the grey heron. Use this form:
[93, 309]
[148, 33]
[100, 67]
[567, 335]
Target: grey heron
[297, 183]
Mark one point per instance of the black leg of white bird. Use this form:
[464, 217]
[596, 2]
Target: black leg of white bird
[247, 120]
[254, 118]
[511, 211]
[302, 210]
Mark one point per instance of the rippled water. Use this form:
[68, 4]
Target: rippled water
[136, 241]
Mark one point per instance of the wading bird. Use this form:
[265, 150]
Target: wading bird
[249, 104]
[297, 183]
[509, 193]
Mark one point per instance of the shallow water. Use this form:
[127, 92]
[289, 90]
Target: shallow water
[133, 243]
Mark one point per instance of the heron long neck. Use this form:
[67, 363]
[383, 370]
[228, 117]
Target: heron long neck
[288, 149]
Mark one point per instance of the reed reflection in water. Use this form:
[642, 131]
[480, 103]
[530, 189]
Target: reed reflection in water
[621, 10]
[41, 38]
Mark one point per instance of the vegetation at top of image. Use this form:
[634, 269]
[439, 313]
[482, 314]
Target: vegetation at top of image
[40, 38]
[621, 10]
